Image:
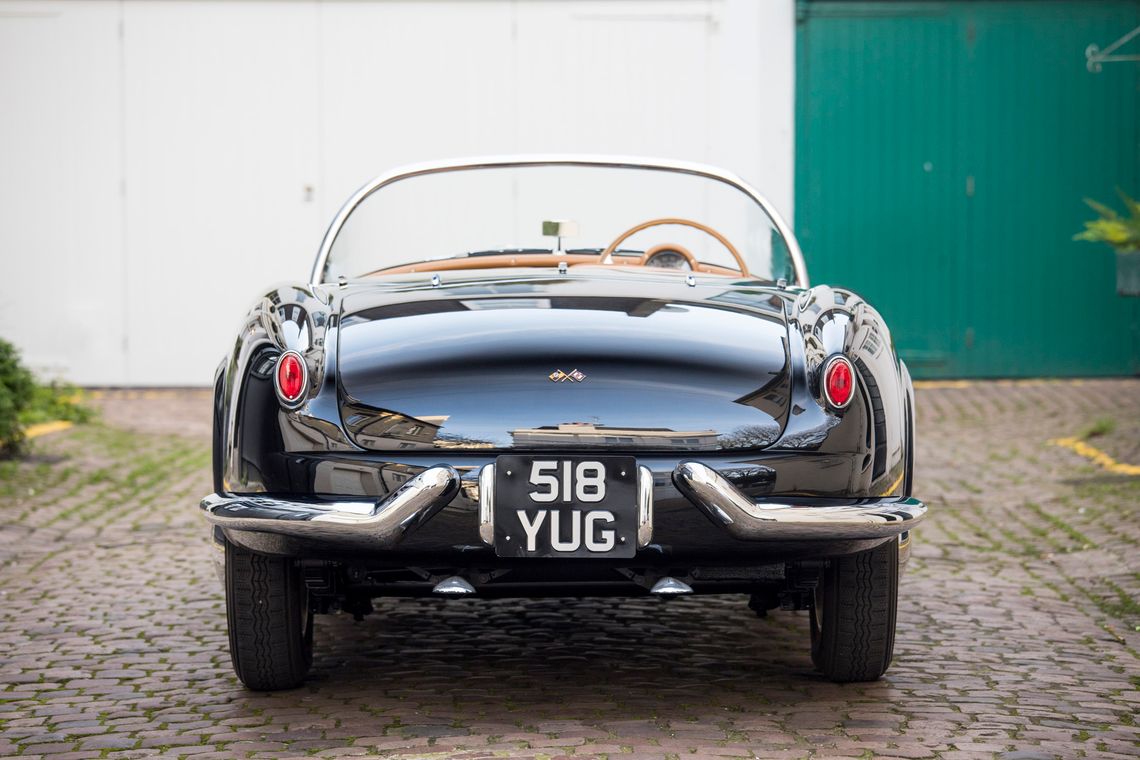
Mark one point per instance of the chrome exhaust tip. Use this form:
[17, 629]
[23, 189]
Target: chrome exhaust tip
[668, 586]
[453, 586]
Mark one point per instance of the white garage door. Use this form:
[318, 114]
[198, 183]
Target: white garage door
[61, 205]
[163, 162]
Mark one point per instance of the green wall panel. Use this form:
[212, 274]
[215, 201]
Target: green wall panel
[943, 149]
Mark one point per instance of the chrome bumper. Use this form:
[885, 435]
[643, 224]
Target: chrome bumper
[262, 522]
[375, 524]
[760, 520]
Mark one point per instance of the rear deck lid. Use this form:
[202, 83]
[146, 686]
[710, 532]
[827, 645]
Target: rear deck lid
[570, 363]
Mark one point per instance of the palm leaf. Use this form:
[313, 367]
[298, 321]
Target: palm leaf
[1105, 211]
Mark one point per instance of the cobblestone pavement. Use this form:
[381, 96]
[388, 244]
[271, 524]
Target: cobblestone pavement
[1018, 624]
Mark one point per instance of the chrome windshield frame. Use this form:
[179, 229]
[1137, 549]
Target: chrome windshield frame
[506, 162]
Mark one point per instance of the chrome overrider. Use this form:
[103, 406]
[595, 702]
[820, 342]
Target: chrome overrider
[765, 519]
[377, 524]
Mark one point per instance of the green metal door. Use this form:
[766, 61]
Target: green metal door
[943, 149]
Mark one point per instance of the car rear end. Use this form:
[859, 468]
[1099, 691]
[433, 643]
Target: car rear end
[592, 429]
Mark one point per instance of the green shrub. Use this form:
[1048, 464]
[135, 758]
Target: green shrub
[25, 402]
[17, 390]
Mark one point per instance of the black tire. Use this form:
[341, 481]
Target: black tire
[853, 618]
[270, 623]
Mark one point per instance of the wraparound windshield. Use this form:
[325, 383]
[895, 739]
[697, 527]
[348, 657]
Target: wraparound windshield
[504, 216]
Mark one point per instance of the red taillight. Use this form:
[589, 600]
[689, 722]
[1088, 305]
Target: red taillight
[838, 381]
[290, 377]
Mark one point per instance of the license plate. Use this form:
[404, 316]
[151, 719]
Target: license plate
[565, 506]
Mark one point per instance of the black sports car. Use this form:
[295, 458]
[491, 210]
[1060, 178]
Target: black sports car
[560, 376]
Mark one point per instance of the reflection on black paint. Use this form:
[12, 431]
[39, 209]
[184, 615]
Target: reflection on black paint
[471, 370]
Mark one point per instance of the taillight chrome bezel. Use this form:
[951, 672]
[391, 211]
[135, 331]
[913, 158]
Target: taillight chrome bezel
[284, 400]
[825, 370]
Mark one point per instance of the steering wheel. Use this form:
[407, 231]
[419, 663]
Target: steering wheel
[607, 256]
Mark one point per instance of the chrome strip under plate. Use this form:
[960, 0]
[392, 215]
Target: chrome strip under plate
[379, 524]
[761, 519]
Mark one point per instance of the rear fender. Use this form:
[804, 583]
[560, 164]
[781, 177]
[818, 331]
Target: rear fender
[829, 321]
[250, 426]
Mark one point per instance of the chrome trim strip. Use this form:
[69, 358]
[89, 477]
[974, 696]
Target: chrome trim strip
[758, 520]
[620, 162]
[378, 524]
[487, 504]
[644, 506]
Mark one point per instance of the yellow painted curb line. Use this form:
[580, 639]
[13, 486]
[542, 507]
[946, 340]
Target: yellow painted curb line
[35, 431]
[1097, 456]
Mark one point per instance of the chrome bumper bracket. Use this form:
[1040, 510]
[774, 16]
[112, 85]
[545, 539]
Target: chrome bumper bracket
[816, 519]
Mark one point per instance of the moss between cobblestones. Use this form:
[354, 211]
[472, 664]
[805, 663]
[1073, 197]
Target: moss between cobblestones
[1100, 427]
[1124, 608]
[1079, 538]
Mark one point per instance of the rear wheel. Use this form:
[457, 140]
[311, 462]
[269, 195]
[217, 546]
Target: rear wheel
[270, 623]
[853, 617]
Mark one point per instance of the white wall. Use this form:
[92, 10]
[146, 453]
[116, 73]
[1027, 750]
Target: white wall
[163, 162]
[62, 253]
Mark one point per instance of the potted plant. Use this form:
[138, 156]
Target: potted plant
[1123, 234]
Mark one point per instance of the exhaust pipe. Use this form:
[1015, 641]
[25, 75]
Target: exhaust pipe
[453, 586]
[668, 586]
